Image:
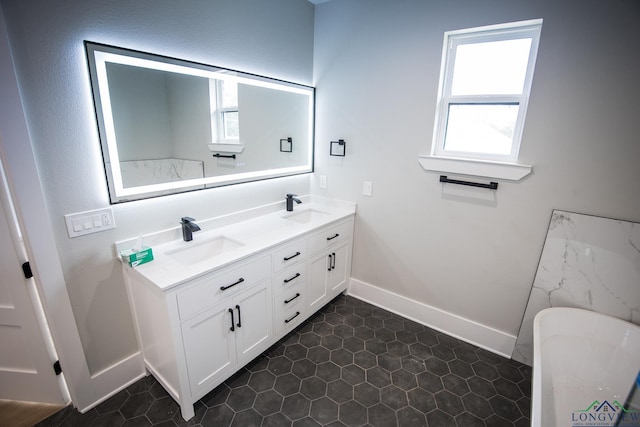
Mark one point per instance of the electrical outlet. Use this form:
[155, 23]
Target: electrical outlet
[106, 218]
[81, 223]
[323, 181]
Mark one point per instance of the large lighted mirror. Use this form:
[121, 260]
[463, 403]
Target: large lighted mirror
[168, 125]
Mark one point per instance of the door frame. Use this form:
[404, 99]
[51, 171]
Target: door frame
[32, 214]
[40, 383]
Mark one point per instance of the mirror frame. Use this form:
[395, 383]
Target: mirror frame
[97, 56]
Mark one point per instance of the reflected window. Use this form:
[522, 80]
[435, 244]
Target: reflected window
[225, 118]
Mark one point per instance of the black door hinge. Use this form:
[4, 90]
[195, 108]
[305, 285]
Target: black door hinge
[57, 368]
[26, 269]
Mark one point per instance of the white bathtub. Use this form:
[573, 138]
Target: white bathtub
[581, 359]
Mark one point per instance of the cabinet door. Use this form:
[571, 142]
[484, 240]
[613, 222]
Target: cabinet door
[254, 324]
[209, 347]
[338, 275]
[317, 272]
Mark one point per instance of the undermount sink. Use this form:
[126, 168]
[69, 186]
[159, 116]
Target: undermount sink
[305, 216]
[196, 251]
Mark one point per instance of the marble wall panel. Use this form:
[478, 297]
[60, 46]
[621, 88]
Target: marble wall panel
[146, 172]
[587, 262]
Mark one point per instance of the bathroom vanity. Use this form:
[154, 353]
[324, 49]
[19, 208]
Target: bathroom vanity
[203, 309]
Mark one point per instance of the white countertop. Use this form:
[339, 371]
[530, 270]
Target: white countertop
[255, 234]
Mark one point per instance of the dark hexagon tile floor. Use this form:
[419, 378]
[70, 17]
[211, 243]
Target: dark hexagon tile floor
[351, 364]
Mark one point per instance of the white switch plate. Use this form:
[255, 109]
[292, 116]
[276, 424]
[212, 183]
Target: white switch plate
[323, 181]
[81, 223]
[367, 188]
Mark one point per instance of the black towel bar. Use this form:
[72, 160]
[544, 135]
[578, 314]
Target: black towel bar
[491, 186]
[224, 156]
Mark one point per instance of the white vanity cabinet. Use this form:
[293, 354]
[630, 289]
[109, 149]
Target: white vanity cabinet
[231, 333]
[235, 325]
[196, 332]
[195, 335]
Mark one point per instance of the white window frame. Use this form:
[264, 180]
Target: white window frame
[445, 160]
[217, 113]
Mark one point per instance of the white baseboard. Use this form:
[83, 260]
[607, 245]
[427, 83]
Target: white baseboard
[115, 378]
[467, 330]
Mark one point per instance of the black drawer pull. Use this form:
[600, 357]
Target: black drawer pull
[233, 323]
[294, 316]
[333, 237]
[224, 288]
[294, 277]
[333, 262]
[330, 262]
[287, 258]
[239, 324]
[287, 301]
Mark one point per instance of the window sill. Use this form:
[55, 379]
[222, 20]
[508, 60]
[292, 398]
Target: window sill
[481, 168]
[226, 147]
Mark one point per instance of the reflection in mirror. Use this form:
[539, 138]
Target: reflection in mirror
[168, 125]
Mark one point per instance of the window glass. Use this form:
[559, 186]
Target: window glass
[498, 67]
[478, 128]
[229, 96]
[231, 125]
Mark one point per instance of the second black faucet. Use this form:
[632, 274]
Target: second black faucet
[290, 199]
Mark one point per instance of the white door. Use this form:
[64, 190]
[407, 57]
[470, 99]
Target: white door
[26, 368]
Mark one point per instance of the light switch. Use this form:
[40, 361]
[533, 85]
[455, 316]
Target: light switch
[81, 223]
[367, 188]
[323, 181]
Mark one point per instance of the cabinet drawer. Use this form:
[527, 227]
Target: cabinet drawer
[289, 308]
[329, 236]
[289, 278]
[289, 254]
[210, 290]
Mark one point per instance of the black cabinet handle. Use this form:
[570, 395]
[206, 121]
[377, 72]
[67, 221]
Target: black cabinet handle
[287, 301]
[233, 323]
[333, 237]
[330, 262]
[292, 278]
[293, 317]
[224, 288]
[333, 261]
[239, 324]
[287, 258]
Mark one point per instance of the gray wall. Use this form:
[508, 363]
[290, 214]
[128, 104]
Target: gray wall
[272, 38]
[376, 68]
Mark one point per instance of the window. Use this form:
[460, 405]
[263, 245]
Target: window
[225, 124]
[484, 89]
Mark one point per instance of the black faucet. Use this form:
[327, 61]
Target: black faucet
[188, 227]
[290, 199]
